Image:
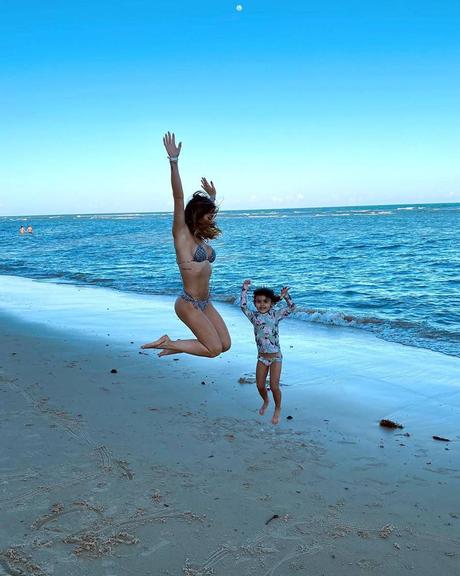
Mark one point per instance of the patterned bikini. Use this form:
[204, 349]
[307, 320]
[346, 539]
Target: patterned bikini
[266, 329]
[201, 255]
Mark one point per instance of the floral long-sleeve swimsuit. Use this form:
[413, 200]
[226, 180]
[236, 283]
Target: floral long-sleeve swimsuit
[266, 325]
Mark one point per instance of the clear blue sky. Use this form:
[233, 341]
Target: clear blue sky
[283, 104]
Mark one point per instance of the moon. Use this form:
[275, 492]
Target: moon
[239, 7]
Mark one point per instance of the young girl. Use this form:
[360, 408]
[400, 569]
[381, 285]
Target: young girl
[193, 226]
[265, 322]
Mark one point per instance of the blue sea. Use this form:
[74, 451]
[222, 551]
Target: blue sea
[391, 270]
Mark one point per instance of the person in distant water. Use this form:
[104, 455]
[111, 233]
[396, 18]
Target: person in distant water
[21, 229]
[265, 321]
[193, 226]
[29, 229]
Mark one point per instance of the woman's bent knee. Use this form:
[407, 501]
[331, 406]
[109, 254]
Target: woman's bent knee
[226, 345]
[215, 350]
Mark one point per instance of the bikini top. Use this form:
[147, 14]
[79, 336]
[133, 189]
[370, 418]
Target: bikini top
[201, 254]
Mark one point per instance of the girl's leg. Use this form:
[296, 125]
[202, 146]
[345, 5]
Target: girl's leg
[275, 373]
[208, 342]
[219, 324]
[261, 377]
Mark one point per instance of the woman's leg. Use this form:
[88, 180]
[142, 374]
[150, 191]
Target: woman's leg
[275, 373]
[207, 343]
[261, 377]
[219, 324]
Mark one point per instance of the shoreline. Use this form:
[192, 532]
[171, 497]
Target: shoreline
[165, 465]
[16, 293]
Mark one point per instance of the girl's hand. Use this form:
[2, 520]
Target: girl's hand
[169, 141]
[284, 292]
[209, 187]
[246, 284]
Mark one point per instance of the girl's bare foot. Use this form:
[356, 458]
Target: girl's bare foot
[263, 408]
[276, 416]
[158, 343]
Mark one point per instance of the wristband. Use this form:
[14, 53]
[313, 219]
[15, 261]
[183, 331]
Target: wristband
[173, 158]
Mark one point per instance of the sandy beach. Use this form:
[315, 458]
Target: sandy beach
[116, 462]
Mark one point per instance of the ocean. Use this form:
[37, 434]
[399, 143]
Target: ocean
[391, 270]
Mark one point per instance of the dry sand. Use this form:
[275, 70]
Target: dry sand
[165, 467]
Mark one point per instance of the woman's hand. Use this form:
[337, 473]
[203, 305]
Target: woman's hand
[246, 284]
[169, 141]
[209, 188]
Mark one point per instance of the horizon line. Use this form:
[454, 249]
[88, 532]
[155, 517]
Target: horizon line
[231, 210]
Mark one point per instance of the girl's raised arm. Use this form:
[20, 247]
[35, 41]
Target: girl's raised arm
[169, 141]
[244, 300]
[286, 310]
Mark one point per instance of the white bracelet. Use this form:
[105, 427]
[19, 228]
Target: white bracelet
[173, 158]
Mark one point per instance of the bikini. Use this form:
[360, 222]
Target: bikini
[201, 255]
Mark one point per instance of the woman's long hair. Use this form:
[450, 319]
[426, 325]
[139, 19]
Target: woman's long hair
[198, 206]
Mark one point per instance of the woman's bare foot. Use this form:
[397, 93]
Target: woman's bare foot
[263, 408]
[158, 343]
[276, 416]
[166, 352]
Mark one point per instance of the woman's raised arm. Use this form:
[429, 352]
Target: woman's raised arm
[169, 141]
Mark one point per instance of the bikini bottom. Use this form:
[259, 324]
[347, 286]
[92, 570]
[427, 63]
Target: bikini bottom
[269, 361]
[198, 304]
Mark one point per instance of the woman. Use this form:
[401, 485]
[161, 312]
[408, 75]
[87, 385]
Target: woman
[193, 226]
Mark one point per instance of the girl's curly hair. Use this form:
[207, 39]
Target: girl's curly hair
[198, 206]
[268, 293]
